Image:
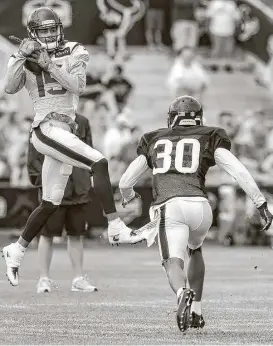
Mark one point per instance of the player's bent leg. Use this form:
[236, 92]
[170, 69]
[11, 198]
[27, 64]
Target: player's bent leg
[54, 179]
[68, 148]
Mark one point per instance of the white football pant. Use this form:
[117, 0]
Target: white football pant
[184, 222]
[62, 150]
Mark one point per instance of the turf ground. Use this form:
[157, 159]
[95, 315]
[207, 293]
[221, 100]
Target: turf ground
[134, 304]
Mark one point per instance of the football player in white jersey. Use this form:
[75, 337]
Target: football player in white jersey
[54, 73]
[180, 156]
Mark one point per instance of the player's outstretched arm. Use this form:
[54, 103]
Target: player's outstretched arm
[130, 178]
[15, 77]
[230, 164]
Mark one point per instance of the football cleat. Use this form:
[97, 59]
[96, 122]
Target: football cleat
[119, 233]
[197, 321]
[183, 315]
[82, 284]
[45, 285]
[13, 255]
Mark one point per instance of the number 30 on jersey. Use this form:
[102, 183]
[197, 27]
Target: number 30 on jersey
[166, 155]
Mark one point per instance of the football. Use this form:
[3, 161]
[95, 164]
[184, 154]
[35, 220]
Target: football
[33, 67]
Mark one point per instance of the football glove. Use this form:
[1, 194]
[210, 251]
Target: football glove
[266, 216]
[28, 46]
[41, 58]
[124, 202]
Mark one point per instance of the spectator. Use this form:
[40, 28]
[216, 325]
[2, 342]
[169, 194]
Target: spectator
[16, 150]
[118, 22]
[117, 136]
[263, 74]
[223, 16]
[187, 75]
[120, 86]
[128, 153]
[154, 23]
[71, 215]
[227, 121]
[184, 31]
[114, 140]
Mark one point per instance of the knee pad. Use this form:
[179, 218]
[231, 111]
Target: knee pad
[190, 251]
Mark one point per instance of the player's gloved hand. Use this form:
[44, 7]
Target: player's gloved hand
[126, 202]
[41, 58]
[28, 46]
[266, 216]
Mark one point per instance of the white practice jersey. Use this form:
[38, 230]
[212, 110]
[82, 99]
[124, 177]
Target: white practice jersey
[56, 90]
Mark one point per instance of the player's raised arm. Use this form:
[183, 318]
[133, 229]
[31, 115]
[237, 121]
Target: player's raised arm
[133, 173]
[16, 76]
[230, 164]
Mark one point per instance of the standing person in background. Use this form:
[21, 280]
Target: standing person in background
[154, 23]
[118, 21]
[71, 215]
[120, 86]
[187, 75]
[223, 16]
[184, 30]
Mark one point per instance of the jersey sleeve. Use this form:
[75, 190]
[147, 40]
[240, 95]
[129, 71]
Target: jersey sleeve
[221, 140]
[16, 77]
[79, 57]
[73, 79]
[143, 149]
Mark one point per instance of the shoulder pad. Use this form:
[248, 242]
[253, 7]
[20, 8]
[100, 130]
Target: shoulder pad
[150, 135]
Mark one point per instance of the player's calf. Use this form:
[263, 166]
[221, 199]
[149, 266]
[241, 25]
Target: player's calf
[174, 268]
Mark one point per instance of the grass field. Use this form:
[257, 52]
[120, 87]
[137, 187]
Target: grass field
[134, 304]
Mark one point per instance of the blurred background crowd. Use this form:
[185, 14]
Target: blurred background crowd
[143, 54]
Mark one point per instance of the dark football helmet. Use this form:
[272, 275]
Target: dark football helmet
[44, 18]
[185, 110]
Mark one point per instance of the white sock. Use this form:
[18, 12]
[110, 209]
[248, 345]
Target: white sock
[21, 247]
[179, 291]
[196, 307]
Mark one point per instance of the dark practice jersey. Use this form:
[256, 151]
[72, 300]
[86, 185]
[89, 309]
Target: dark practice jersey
[180, 158]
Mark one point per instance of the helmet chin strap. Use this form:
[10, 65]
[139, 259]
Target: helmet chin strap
[50, 46]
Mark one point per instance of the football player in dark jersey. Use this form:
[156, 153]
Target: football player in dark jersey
[179, 157]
